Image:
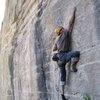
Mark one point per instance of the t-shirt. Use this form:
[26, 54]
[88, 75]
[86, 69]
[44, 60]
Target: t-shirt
[62, 42]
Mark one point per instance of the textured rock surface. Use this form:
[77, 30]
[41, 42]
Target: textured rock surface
[26, 70]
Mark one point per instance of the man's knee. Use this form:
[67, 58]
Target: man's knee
[77, 54]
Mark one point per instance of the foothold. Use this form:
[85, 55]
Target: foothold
[93, 45]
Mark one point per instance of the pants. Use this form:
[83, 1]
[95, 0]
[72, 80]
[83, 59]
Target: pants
[65, 57]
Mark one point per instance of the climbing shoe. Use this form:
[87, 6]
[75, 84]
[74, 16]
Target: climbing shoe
[63, 97]
[73, 65]
[74, 69]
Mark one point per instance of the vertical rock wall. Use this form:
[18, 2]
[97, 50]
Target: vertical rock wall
[26, 38]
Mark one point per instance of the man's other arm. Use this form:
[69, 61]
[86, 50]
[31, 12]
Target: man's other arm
[54, 48]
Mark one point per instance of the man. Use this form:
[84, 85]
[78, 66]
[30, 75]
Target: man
[64, 55]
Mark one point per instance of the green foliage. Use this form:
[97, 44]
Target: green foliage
[86, 97]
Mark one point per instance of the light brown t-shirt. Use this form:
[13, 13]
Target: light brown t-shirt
[62, 42]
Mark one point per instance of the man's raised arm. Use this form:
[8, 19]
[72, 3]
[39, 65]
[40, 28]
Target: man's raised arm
[71, 21]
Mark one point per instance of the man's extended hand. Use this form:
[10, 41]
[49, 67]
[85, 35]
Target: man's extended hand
[74, 9]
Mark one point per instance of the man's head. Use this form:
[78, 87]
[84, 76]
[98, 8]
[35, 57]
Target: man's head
[58, 30]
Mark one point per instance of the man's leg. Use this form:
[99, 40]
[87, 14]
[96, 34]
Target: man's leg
[62, 75]
[62, 78]
[62, 89]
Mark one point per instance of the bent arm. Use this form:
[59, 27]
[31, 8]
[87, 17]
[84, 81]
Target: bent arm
[54, 48]
[71, 21]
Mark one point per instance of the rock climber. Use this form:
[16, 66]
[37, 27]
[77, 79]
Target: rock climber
[62, 53]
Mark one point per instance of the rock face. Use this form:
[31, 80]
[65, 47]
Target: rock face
[26, 69]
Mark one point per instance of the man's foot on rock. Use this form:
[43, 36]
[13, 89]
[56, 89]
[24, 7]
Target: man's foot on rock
[63, 97]
[74, 69]
[74, 62]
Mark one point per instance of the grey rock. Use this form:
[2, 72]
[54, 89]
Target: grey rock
[26, 69]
